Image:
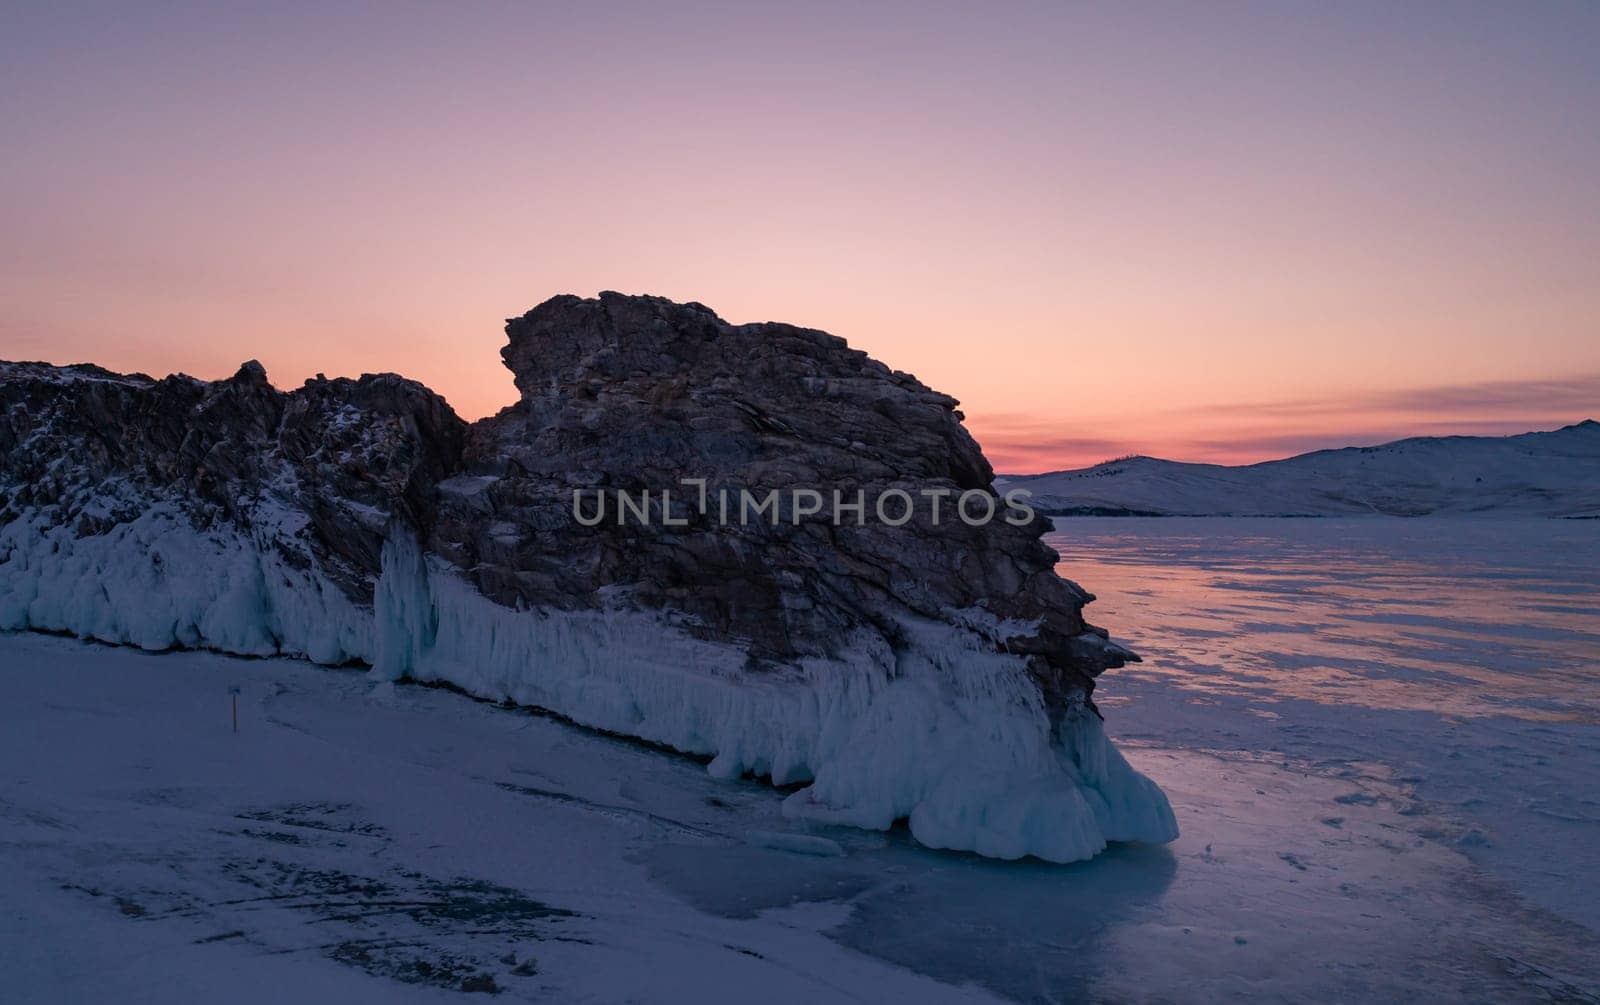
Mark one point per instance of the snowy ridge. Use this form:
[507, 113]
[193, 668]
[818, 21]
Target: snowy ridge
[71, 374]
[1554, 474]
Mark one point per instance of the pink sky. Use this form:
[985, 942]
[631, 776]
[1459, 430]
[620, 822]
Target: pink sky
[1217, 233]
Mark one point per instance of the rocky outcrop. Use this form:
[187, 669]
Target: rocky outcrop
[882, 624]
[637, 395]
[316, 474]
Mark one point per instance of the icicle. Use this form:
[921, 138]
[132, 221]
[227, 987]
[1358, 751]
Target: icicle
[404, 618]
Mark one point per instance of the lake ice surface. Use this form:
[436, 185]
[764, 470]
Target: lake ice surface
[1461, 657]
[1381, 738]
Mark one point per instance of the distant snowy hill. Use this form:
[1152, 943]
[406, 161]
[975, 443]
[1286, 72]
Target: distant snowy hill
[1555, 474]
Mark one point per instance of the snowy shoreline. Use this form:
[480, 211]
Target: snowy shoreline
[944, 732]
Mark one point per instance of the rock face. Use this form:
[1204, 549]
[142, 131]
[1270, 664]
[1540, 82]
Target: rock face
[637, 394]
[914, 655]
[316, 474]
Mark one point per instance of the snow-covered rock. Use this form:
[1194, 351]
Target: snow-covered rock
[936, 671]
[226, 514]
[1554, 474]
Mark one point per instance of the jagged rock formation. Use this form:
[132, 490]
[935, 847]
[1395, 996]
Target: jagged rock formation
[937, 669]
[225, 514]
[345, 456]
[634, 394]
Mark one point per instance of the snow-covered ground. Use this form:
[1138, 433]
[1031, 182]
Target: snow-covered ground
[1555, 474]
[1380, 738]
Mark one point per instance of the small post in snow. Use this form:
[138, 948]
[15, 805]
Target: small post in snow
[234, 691]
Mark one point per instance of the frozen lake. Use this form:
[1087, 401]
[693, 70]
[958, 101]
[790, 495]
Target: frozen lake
[1380, 737]
[1454, 616]
[1462, 656]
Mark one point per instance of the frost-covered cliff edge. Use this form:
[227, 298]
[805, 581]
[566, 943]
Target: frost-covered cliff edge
[934, 670]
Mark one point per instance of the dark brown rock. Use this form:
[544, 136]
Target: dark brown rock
[637, 393]
[347, 455]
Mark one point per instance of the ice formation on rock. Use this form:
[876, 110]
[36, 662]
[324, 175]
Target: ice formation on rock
[937, 671]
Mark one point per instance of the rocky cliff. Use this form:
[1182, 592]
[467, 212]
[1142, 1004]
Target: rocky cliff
[866, 615]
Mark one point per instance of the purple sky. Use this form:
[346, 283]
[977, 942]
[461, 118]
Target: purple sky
[1215, 232]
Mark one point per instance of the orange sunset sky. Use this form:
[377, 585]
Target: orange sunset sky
[1221, 231]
